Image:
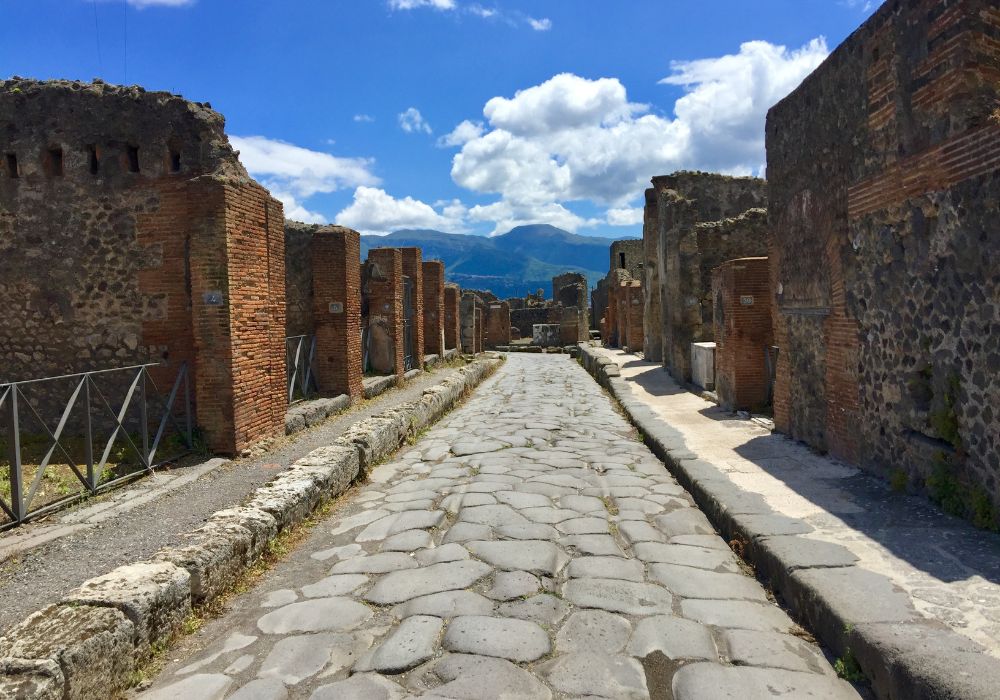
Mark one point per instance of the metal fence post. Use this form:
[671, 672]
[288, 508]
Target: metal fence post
[16, 494]
[88, 438]
[144, 418]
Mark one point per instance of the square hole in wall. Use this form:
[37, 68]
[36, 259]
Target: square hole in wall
[175, 161]
[10, 160]
[132, 153]
[93, 160]
[52, 162]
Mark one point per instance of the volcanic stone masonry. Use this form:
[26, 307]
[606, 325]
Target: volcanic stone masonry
[452, 324]
[433, 274]
[414, 277]
[883, 182]
[701, 220]
[130, 233]
[383, 289]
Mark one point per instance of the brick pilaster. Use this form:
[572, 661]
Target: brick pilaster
[385, 302]
[336, 254]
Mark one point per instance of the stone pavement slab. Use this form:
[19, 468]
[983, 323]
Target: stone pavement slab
[549, 555]
[851, 557]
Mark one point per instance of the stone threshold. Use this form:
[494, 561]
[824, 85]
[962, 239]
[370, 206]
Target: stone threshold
[90, 643]
[856, 613]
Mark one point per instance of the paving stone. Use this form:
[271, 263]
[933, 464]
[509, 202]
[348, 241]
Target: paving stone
[582, 504]
[738, 614]
[424, 504]
[529, 531]
[444, 553]
[596, 545]
[200, 686]
[639, 504]
[361, 686]
[773, 650]
[410, 644]
[674, 637]
[471, 677]
[399, 586]
[688, 582]
[407, 541]
[508, 585]
[593, 674]
[293, 659]
[319, 615]
[593, 630]
[463, 532]
[261, 689]
[524, 555]
[375, 564]
[583, 526]
[549, 515]
[618, 596]
[544, 609]
[278, 598]
[333, 586]
[354, 521]
[344, 552]
[606, 567]
[519, 500]
[507, 638]
[446, 604]
[687, 521]
[234, 642]
[638, 531]
[491, 515]
[456, 501]
[242, 664]
[411, 494]
[743, 683]
[707, 541]
[698, 557]
[470, 447]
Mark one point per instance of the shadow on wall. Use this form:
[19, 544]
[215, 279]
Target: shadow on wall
[909, 527]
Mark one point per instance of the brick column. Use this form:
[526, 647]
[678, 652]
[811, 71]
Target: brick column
[498, 324]
[633, 327]
[452, 316]
[385, 308]
[610, 333]
[413, 268]
[433, 272]
[468, 323]
[336, 252]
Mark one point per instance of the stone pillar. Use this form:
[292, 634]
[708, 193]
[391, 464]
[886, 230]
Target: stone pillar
[480, 325]
[652, 343]
[433, 273]
[413, 268]
[569, 326]
[452, 316]
[470, 333]
[498, 324]
[385, 310]
[336, 254]
[633, 323]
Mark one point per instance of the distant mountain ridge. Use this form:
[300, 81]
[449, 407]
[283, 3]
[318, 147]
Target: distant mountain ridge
[524, 259]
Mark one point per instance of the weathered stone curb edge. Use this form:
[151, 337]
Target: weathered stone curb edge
[853, 611]
[89, 644]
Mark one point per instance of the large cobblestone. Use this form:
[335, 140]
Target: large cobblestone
[526, 546]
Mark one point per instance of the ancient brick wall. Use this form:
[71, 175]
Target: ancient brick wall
[633, 335]
[599, 303]
[569, 326]
[384, 291]
[628, 254]
[685, 200]
[652, 342]
[524, 319]
[742, 318]
[884, 174]
[336, 257]
[413, 270]
[497, 324]
[433, 282]
[470, 322]
[130, 233]
[299, 278]
[452, 315]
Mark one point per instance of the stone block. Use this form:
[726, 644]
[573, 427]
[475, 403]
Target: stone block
[34, 679]
[154, 596]
[703, 365]
[545, 335]
[92, 646]
[215, 558]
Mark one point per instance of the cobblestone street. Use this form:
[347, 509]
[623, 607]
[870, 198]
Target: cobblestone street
[526, 546]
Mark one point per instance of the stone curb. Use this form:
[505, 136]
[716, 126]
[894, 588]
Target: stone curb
[89, 644]
[850, 609]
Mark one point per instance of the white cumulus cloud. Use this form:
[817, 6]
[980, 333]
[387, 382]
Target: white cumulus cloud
[412, 121]
[376, 211]
[462, 134]
[364, 118]
[540, 25]
[573, 138]
[294, 173]
[414, 4]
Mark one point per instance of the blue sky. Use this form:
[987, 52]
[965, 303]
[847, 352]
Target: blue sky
[450, 114]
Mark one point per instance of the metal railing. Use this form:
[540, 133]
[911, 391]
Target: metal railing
[87, 411]
[300, 357]
[409, 310]
[365, 343]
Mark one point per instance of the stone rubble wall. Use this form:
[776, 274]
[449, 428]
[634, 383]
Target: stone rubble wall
[90, 644]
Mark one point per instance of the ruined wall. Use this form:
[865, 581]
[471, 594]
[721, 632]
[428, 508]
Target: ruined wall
[299, 278]
[632, 337]
[628, 254]
[336, 260]
[524, 319]
[130, 233]
[599, 303]
[470, 322]
[452, 326]
[383, 288]
[652, 320]
[413, 271]
[684, 200]
[742, 317]
[433, 272]
[884, 174]
[497, 324]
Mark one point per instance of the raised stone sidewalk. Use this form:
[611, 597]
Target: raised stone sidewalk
[528, 546]
[912, 594]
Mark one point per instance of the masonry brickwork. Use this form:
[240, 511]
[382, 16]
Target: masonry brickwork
[497, 324]
[524, 319]
[743, 334]
[384, 291]
[130, 233]
[335, 262]
[452, 318]
[688, 246]
[299, 278]
[433, 285]
[414, 272]
[884, 178]
[470, 320]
